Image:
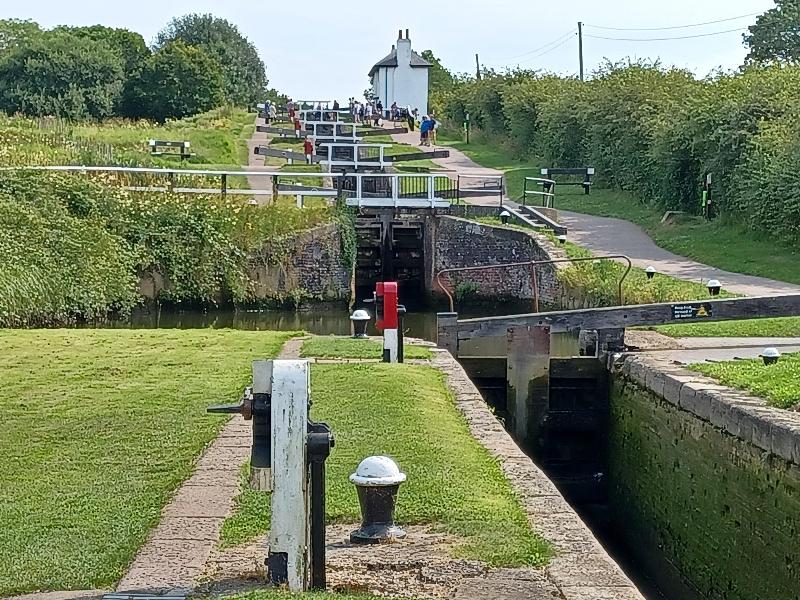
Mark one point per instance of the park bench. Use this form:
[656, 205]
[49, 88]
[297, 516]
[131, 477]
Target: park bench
[161, 148]
[585, 172]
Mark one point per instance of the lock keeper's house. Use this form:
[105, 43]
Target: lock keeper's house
[402, 77]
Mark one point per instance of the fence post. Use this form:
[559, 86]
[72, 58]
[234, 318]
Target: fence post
[224, 185]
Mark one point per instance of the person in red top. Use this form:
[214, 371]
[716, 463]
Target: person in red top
[297, 127]
[308, 149]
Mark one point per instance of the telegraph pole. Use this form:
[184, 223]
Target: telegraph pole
[580, 47]
[477, 67]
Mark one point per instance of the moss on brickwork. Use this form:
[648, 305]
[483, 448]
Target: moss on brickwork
[724, 513]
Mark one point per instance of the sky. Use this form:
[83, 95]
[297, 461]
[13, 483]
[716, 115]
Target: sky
[316, 49]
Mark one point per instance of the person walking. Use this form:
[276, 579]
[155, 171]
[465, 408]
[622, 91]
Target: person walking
[273, 113]
[308, 150]
[367, 113]
[424, 131]
[434, 133]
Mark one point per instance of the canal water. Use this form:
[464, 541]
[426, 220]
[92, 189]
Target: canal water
[419, 322]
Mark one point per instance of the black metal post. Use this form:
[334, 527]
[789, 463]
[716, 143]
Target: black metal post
[320, 442]
[401, 311]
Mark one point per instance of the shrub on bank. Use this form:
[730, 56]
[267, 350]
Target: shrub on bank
[74, 248]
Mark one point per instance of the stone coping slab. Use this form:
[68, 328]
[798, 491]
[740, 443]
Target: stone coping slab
[736, 412]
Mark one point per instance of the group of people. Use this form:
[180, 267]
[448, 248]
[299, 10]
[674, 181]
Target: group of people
[366, 112]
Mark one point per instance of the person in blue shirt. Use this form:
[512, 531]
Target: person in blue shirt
[425, 129]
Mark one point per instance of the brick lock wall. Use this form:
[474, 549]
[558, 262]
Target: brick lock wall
[693, 499]
[310, 264]
[463, 243]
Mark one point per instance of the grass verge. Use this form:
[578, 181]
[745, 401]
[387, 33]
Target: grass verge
[780, 327]
[99, 428]
[340, 347]
[406, 412]
[779, 384]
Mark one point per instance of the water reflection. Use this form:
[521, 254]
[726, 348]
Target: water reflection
[419, 322]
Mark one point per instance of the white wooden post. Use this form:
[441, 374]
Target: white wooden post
[358, 190]
[395, 189]
[432, 190]
[299, 200]
[289, 525]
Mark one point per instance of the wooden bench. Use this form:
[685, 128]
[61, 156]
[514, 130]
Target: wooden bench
[161, 148]
[585, 172]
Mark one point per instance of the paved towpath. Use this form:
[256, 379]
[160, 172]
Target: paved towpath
[256, 163]
[616, 236]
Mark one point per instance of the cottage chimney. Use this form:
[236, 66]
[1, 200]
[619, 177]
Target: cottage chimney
[408, 37]
[403, 51]
[399, 34]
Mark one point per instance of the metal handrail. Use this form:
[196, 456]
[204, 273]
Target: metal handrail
[534, 264]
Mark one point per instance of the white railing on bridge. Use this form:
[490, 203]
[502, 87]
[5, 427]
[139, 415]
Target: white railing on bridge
[342, 132]
[424, 185]
[401, 184]
[363, 155]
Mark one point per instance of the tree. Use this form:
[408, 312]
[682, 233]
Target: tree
[775, 37]
[244, 73]
[177, 81]
[439, 78]
[57, 73]
[129, 46]
[14, 32]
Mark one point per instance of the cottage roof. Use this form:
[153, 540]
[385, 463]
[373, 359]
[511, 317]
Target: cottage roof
[417, 62]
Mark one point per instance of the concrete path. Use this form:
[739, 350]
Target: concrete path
[615, 236]
[699, 350]
[256, 163]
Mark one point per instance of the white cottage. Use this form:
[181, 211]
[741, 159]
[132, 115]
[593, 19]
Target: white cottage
[402, 77]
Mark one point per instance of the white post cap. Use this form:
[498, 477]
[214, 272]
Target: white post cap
[377, 471]
[771, 353]
[360, 315]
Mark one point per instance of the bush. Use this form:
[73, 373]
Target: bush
[656, 132]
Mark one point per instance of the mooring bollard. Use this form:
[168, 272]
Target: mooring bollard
[377, 480]
[360, 320]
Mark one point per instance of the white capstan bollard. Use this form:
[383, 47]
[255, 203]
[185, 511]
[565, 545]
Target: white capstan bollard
[377, 480]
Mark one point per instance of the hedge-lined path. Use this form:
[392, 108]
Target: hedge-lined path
[606, 235]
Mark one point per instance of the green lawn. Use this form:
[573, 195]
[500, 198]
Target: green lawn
[779, 384]
[339, 347]
[723, 244]
[780, 327]
[218, 139]
[99, 428]
[406, 412]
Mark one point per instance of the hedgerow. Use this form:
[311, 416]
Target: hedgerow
[656, 132]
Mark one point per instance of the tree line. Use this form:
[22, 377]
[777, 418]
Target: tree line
[197, 63]
[656, 131]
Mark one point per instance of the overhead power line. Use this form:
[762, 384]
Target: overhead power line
[674, 26]
[544, 47]
[550, 50]
[663, 39]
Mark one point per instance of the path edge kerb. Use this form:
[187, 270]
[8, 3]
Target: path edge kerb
[581, 567]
